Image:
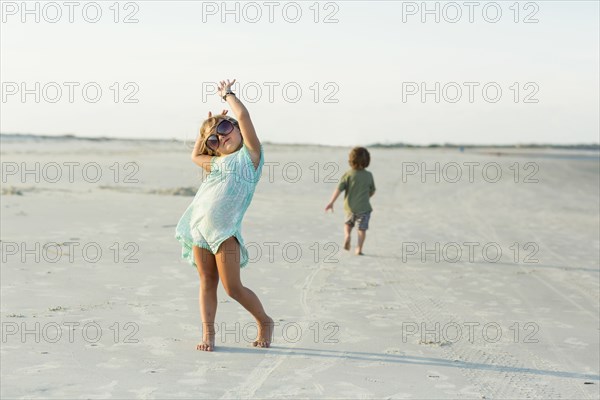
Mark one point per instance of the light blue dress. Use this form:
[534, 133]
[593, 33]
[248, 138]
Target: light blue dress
[217, 210]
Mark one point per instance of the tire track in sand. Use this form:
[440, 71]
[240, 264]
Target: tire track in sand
[514, 384]
[258, 376]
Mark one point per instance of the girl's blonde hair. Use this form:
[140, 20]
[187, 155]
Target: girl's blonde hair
[208, 127]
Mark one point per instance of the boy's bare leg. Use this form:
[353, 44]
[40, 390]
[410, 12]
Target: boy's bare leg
[228, 264]
[207, 295]
[347, 231]
[361, 239]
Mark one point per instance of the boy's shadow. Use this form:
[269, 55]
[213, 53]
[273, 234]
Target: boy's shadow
[484, 264]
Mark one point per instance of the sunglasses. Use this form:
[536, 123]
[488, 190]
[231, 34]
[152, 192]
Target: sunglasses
[224, 128]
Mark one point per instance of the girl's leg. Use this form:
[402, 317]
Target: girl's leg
[361, 239]
[347, 231]
[207, 295]
[228, 264]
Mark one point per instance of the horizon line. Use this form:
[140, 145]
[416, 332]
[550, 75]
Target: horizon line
[589, 145]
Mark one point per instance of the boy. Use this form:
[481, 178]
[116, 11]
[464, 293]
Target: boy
[359, 186]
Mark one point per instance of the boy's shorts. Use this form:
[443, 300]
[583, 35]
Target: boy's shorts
[362, 220]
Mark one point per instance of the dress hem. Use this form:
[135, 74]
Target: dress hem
[188, 255]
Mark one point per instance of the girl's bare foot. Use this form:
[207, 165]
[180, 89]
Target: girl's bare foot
[359, 252]
[347, 243]
[265, 334]
[207, 343]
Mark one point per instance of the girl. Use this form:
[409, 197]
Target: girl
[210, 228]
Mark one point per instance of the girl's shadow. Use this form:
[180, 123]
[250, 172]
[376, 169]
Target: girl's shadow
[400, 359]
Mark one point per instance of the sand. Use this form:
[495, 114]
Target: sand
[125, 324]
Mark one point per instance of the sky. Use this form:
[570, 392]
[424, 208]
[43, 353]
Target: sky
[334, 73]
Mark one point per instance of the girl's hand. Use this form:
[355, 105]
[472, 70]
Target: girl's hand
[329, 207]
[224, 112]
[223, 87]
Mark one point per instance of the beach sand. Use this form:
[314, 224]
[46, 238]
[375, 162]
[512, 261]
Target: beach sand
[394, 323]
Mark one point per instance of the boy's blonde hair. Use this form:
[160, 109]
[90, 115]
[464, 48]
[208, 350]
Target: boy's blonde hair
[359, 158]
[208, 127]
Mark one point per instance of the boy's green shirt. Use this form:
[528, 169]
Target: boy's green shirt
[357, 185]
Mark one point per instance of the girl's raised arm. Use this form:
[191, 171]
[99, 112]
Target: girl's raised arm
[243, 117]
[202, 160]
